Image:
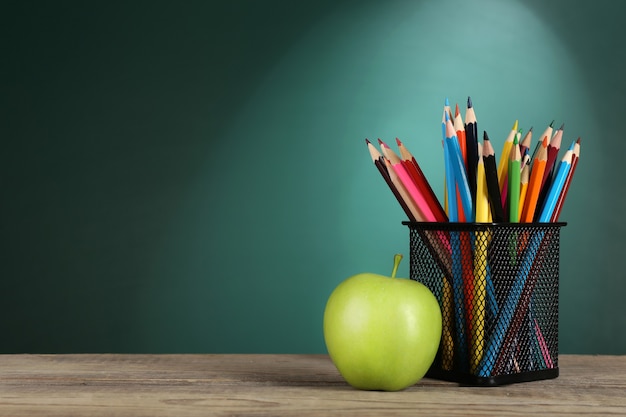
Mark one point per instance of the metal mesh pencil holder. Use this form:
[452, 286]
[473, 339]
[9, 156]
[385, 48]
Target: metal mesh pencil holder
[498, 288]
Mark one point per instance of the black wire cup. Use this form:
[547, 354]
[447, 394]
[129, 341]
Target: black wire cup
[498, 288]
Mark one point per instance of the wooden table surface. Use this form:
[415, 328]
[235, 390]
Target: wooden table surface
[273, 385]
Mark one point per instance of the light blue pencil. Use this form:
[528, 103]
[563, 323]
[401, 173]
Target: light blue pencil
[556, 187]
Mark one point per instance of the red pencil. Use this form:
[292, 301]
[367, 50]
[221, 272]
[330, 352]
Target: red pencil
[559, 203]
[379, 161]
[410, 163]
[553, 152]
[424, 212]
[459, 127]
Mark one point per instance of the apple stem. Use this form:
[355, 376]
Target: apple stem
[396, 263]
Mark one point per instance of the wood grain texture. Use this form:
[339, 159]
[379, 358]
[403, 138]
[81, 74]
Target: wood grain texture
[271, 385]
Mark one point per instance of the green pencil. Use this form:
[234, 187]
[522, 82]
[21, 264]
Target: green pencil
[514, 174]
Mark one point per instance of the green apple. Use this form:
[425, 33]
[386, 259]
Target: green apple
[382, 333]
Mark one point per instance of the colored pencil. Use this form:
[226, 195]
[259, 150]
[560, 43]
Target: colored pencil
[482, 196]
[481, 244]
[554, 147]
[548, 132]
[414, 193]
[471, 144]
[491, 175]
[504, 193]
[553, 150]
[559, 204]
[450, 186]
[534, 184]
[503, 163]
[416, 214]
[524, 179]
[459, 127]
[378, 160]
[514, 173]
[458, 167]
[525, 143]
[410, 163]
[556, 187]
[446, 114]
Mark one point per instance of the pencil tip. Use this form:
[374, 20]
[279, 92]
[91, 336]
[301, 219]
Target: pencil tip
[469, 102]
[380, 142]
[447, 103]
[578, 141]
[515, 125]
[530, 130]
[552, 123]
[398, 142]
[562, 126]
[485, 136]
[456, 110]
[367, 141]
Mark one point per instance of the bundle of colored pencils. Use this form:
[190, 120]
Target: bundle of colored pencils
[522, 186]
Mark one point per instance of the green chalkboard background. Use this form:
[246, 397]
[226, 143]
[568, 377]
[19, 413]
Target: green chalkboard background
[191, 176]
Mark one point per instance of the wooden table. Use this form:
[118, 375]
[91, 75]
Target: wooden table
[272, 385]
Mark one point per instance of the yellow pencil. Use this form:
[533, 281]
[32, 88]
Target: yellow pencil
[447, 339]
[482, 196]
[480, 267]
[503, 164]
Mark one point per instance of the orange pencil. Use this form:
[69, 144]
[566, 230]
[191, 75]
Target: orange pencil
[534, 183]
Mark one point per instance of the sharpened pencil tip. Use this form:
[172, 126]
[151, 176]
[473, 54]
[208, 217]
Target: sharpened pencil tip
[562, 126]
[447, 102]
[469, 102]
[485, 136]
[398, 142]
[578, 141]
[367, 141]
[552, 123]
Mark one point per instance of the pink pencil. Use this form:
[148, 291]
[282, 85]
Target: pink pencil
[417, 197]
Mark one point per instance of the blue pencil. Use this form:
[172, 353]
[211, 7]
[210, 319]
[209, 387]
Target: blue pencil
[556, 187]
[453, 215]
[458, 166]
